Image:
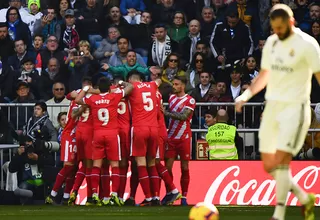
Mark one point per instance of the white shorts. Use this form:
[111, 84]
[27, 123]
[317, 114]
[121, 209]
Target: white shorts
[284, 127]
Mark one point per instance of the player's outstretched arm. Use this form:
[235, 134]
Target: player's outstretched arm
[158, 82]
[127, 87]
[76, 112]
[181, 116]
[79, 99]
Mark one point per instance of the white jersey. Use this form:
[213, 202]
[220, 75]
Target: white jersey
[291, 64]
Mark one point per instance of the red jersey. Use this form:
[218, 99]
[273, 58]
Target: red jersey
[85, 122]
[161, 121]
[70, 127]
[123, 111]
[104, 109]
[143, 104]
[180, 129]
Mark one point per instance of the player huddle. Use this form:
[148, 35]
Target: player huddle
[113, 125]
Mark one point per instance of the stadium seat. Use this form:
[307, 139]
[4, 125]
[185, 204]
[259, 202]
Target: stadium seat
[97, 44]
[145, 59]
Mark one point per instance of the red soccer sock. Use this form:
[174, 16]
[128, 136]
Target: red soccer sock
[167, 179]
[95, 179]
[68, 187]
[123, 180]
[154, 181]
[104, 190]
[88, 180]
[184, 181]
[115, 179]
[134, 180]
[144, 181]
[81, 174]
[61, 177]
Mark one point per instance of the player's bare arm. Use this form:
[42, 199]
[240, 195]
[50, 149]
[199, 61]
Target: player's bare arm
[158, 82]
[127, 87]
[94, 91]
[83, 92]
[181, 116]
[76, 112]
[256, 86]
[73, 95]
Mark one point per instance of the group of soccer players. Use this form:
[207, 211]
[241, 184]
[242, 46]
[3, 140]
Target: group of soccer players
[114, 125]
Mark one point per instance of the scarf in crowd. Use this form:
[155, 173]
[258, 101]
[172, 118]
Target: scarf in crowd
[193, 46]
[24, 75]
[159, 57]
[12, 29]
[71, 37]
[35, 124]
[171, 73]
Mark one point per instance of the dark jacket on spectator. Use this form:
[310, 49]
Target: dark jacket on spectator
[140, 35]
[196, 94]
[22, 31]
[161, 14]
[45, 55]
[6, 50]
[45, 85]
[15, 63]
[90, 23]
[54, 28]
[123, 26]
[7, 83]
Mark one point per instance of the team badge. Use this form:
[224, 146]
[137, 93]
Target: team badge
[291, 53]
[192, 101]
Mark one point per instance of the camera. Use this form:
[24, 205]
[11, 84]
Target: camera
[29, 148]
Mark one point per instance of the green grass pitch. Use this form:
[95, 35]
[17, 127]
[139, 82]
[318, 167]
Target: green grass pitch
[137, 213]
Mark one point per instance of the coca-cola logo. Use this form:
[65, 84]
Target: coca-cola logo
[255, 192]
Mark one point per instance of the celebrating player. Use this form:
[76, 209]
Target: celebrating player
[106, 141]
[68, 156]
[144, 134]
[181, 107]
[288, 60]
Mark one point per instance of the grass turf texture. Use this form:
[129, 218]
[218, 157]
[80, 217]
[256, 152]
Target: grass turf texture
[138, 213]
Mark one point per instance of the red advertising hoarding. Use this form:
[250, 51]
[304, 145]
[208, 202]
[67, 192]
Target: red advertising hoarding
[236, 183]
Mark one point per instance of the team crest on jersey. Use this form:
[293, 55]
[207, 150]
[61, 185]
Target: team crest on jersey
[291, 53]
[192, 101]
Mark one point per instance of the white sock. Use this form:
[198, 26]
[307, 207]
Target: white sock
[283, 185]
[53, 193]
[295, 188]
[175, 191]
[148, 199]
[106, 198]
[66, 195]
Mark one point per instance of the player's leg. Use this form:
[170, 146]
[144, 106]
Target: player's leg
[104, 187]
[138, 151]
[184, 150]
[89, 162]
[123, 164]
[170, 156]
[134, 182]
[69, 184]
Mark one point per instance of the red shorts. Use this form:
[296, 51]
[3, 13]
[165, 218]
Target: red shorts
[84, 144]
[162, 144]
[179, 147]
[124, 134]
[144, 141]
[68, 148]
[106, 144]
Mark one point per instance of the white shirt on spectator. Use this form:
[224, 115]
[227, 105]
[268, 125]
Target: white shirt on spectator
[54, 111]
[235, 91]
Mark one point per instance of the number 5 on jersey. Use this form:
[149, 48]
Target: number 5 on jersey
[147, 101]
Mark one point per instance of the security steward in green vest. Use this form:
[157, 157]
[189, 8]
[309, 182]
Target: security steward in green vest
[223, 139]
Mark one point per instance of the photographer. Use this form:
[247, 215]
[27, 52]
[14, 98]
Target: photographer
[29, 163]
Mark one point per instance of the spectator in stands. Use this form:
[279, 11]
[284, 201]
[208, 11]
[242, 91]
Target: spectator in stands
[179, 29]
[315, 30]
[48, 76]
[14, 62]
[201, 91]
[34, 8]
[38, 43]
[141, 34]
[161, 47]
[7, 83]
[188, 45]
[24, 14]
[108, 46]
[233, 37]
[266, 22]
[210, 116]
[258, 52]
[19, 116]
[164, 12]
[207, 22]
[115, 19]
[89, 18]
[58, 91]
[48, 25]
[165, 88]
[197, 66]
[62, 8]
[120, 57]
[203, 47]
[51, 51]
[30, 75]
[201, 4]
[218, 93]
[314, 14]
[235, 86]
[6, 44]
[70, 36]
[311, 147]
[131, 64]
[131, 10]
[17, 28]
[250, 70]
[301, 10]
[171, 68]
[62, 120]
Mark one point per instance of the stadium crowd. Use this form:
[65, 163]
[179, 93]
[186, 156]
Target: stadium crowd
[48, 49]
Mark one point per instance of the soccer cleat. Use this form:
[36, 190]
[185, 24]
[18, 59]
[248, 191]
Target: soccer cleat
[130, 202]
[115, 199]
[49, 200]
[145, 203]
[173, 197]
[106, 202]
[121, 202]
[96, 200]
[308, 209]
[155, 202]
[72, 199]
[89, 202]
[165, 199]
[65, 201]
[184, 201]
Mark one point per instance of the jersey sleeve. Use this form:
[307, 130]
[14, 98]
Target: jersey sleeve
[265, 59]
[191, 104]
[87, 99]
[313, 58]
[119, 91]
